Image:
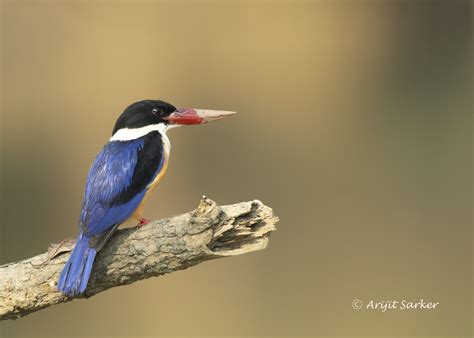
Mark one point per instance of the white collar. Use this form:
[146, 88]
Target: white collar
[128, 134]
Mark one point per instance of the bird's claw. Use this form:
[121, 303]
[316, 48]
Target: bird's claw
[142, 222]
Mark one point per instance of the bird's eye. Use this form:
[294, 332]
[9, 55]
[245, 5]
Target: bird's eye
[155, 111]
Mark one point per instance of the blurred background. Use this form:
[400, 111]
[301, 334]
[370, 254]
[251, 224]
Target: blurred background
[354, 125]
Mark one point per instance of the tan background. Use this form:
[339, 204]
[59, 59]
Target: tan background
[354, 125]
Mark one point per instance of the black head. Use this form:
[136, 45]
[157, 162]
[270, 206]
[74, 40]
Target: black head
[144, 113]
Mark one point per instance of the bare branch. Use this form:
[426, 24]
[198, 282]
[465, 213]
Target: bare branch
[162, 246]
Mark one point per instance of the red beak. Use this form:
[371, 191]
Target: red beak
[189, 116]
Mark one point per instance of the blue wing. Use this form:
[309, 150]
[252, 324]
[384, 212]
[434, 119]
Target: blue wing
[110, 175]
[116, 185]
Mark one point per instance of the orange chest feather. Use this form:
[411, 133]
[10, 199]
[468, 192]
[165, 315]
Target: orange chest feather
[157, 179]
[139, 210]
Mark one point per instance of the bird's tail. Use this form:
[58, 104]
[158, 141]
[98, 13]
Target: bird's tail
[76, 272]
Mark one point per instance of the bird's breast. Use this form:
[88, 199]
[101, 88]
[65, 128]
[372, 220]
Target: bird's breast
[159, 175]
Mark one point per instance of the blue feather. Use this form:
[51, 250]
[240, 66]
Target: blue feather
[76, 272]
[110, 175]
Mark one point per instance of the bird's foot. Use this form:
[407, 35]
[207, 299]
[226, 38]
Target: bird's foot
[142, 222]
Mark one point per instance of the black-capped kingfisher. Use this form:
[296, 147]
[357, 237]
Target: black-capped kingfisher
[121, 178]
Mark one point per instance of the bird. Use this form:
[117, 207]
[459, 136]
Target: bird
[121, 179]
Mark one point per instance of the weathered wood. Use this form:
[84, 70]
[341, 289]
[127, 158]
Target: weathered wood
[133, 254]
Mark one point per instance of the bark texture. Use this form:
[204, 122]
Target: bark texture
[132, 254]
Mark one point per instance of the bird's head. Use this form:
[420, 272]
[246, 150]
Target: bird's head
[155, 112]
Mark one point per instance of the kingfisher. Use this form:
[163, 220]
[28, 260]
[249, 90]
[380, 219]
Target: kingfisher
[122, 177]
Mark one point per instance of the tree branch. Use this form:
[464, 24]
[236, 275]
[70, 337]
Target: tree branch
[132, 254]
